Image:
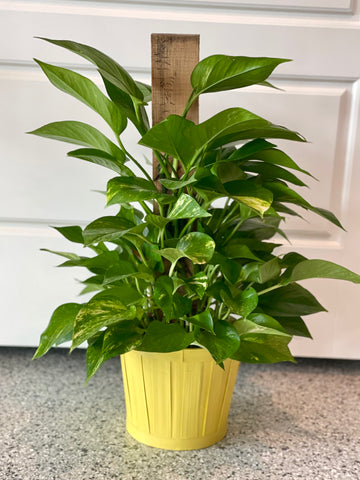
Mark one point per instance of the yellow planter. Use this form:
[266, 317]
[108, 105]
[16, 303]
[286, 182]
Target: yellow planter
[178, 400]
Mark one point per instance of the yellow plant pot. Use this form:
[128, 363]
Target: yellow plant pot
[178, 400]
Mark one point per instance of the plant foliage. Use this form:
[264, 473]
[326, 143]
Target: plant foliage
[171, 269]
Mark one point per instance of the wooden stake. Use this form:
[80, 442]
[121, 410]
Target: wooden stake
[173, 58]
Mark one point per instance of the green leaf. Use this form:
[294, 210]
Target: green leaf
[203, 320]
[197, 246]
[126, 293]
[229, 268]
[108, 68]
[79, 133]
[266, 321]
[187, 207]
[243, 303]
[228, 171]
[130, 189]
[282, 193]
[274, 156]
[146, 91]
[295, 326]
[261, 272]
[250, 148]
[124, 269]
[168, 137]
[122, 100]
[222, 72]
[250, 194]
[235, 124]
[106, 229]
[71, 256]
[163, 295]
[223, 344]
[98, 264]
[198, 284]
[165, 337]
[322, 269]
[72, 233]
[172, 184]
[94, 357]
[112, 342]
[157, 220]
[97, 314]
[128, 106]
[327, 215]
[269, 172]
[236, 249]
[231, 125]
[291, 259]
[261, 344]
[59, 329]
[291, 300]
[104, 159]
[87, 92]
[181, 306]
[172, 254]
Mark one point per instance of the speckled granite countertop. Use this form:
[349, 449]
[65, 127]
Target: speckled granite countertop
[286, 422]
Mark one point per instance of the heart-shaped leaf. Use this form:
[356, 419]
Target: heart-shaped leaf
[243, 303]
[130, 189]
[165, 337]
[223, 344]
[231, 125]
[197, 246]
[187, 207]
[261, 344]
[261, 272]
[203, 320]
[172, 184]
[250, 194]
[106, 229]
[100, 312]
[266, 321]
[59, 329]
[112, 342]
[163, 295]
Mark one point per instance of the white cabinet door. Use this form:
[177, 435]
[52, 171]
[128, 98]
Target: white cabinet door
[41, 187]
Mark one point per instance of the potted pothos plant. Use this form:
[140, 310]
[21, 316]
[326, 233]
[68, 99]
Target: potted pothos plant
[174, 277]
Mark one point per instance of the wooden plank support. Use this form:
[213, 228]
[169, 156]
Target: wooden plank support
[173, 58]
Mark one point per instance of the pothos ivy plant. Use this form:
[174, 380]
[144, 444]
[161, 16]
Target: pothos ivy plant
[172, 269]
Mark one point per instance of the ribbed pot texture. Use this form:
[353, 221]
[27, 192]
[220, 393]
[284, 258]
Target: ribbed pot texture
[178, 400]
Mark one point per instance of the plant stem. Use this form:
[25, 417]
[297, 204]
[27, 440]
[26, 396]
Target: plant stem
[237, 226]
[163, 166]
[134, 160]
[232, 210]
[189, 103]
[186, 226]
[274, 287]
[145, 207]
